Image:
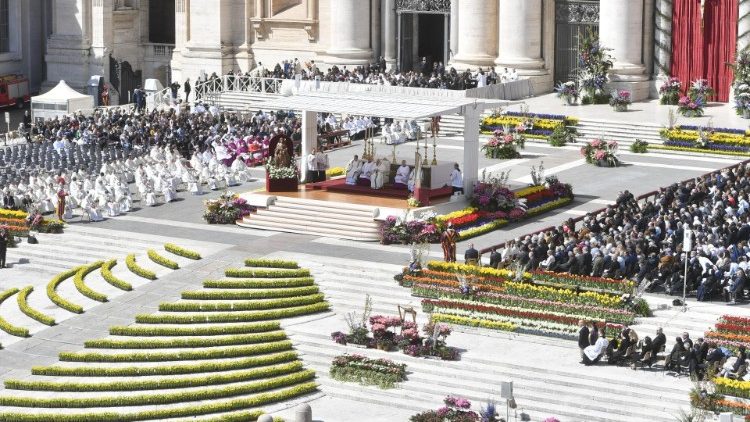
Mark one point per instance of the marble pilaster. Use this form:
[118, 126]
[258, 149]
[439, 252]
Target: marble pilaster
[477, 34]
[520, 36]
[350, 33]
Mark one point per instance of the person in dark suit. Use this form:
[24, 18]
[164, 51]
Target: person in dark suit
[659, 341]
[186, 88]
[495, 258]
[532, 263]
[471, 253]
[583, 336]
[3, 246]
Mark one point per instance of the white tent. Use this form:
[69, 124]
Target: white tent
[59, 101]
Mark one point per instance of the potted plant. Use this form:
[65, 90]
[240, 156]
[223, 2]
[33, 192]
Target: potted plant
[595, 63]
[601, 153]
[669, 92]
[620, 100]
[639, 147]
[568, 92]
[690, 107]
[504, 144]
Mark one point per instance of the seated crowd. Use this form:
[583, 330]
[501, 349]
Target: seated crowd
[644, 241]
[430, 74]
[699, 359]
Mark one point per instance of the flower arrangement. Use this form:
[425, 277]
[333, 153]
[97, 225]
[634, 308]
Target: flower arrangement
[700, 88]
[395, 230]
[594, 64]
[413, 202]
[741, 83]
[561, 136]
[456, 409]
[639, 146]
[357, 368]
[696, 138]
[601, 153]
[335, 171]
[226, 209]
[620, 100]
[669, 91]
[505, 143]
[492, 194]
[690, 107]
[536, 126]
[567, 91]
[276, 172]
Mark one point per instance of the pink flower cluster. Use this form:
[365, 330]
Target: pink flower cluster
[457, 402]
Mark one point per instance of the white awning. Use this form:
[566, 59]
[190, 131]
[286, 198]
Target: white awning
[376, 104]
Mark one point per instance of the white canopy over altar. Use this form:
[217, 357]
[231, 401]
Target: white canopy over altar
[409, 107]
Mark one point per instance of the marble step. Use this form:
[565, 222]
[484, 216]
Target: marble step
[317, 216]
[315, 222]
[324, 232]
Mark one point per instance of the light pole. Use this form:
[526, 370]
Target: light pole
[687, 245]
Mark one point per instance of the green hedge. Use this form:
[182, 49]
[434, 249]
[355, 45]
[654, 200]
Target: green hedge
[270, 263]
[251, 273]
[217, 330]
[178, 369]
[7, 326]
[164, 262]
[57, 299]
[137, 269]
[23, 304]
[228, 352]
[158, 384]
[178, 343]
[107, 275]
[161, 398]
[174, 412]
[250, 305]
[251, 294]
[248, 316]
[259, 283]
[78, 281]
[179, 251]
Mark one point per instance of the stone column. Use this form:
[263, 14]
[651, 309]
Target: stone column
[621, 29]
[309, 139]
[68, 47]
[520, 36]
[663, 38]
[350, 33]
[477, 38]
[376, 28]
[471, 147]
[389, 32]
[743, 26]
[453, 30]
[101, 36]
[181, 31]
[207, 50]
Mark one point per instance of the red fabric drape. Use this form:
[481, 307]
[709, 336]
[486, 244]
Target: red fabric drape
[720, 44]
[687, 41]
[702, 46]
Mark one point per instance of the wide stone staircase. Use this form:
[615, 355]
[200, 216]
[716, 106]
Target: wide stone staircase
[548, 381]
[241, 100]
[320, 218]
[623, 133]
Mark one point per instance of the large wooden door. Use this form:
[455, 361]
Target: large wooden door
[573, 19]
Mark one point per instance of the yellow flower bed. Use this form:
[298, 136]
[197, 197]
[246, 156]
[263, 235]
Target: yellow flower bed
[13, 214]
[456, 214]
[548, 124]
[718, 137]
[335, 171]
[473, 322]
[557, 203]
[528, 191]
[566, 295]
[700, 150]
[454, 267]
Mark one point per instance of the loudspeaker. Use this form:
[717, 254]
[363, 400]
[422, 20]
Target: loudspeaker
[506, 390]
[677, 302]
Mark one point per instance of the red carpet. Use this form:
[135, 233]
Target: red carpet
[388, 191]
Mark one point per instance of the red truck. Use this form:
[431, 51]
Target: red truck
[14, 91]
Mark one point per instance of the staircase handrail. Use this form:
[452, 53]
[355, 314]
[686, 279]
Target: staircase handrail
[159, 98]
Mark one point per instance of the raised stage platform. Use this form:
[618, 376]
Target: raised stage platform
[387, 191]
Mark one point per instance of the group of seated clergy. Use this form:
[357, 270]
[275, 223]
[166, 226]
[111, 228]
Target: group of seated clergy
[368, 172]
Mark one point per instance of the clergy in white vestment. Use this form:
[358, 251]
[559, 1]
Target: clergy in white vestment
[380, 175]
[312, 166]
[353, 169]
[402, 174]
[368, 169]
[415, 177]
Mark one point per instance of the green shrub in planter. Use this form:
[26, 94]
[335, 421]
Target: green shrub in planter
[162, 397]
[252, 273]
[250, 305]
[259, 283]
[78, 281]
[175, 412]
[228, 352]
[185, 253]
[137, 269]
[164, 262]
[7, 326]
[215, 330]
[23, 305]
[245, 316]
[174, 369]
[248, 294]
[158, 384]
[270, 263]
[180, 343]
[57, 299]
[106, 272]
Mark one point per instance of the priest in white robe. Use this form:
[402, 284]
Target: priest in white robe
[380, 176]
[353, 169]
[402, 174]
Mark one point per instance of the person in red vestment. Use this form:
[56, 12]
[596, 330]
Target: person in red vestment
[448, 242]
[61, 194]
